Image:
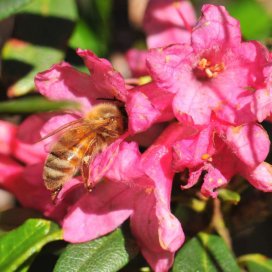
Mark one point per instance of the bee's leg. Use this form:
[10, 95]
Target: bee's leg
[55, 193]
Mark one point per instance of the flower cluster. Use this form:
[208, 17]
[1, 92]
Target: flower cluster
[208, 93]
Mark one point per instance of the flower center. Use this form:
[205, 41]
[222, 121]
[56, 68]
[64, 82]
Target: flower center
[205, 69]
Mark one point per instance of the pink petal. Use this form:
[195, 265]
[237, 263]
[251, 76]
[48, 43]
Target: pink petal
[142, 114]
[225, 160]
[168, 22]
[157, 231]
[7, 137]
[137, 62]
[194, 176]
[99, 212]
[147, 138]
[25, 183]
[30, 154]
[30, 149]
[262, 104]
[260, 177]
[212, 180]
[34, 123]
[193, 105]
[166, 65]
[102, 162]
[126, 165]
[216, 28]
[175, 132]
[63, 82]
[71, 192]
[194, 150]
[157, 165]
[250, 143]
[147, 105]
[10, 170]
[56, 121]
[106, 82]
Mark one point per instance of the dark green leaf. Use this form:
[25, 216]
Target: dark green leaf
[109, 253]
[205, 253]
[10, 7]
[17, 246]
[35, 104]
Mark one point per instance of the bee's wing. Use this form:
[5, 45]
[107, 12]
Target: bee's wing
[70, 135]
[61, 129]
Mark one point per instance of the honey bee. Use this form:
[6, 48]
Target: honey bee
[78, 144]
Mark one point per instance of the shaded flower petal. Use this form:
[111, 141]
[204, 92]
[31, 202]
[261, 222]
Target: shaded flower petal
[250, 143]
[137, 62]
[146, 105]
[99, 212]
[102, 162]
[7, 137]
[125, 166]
[157, 231]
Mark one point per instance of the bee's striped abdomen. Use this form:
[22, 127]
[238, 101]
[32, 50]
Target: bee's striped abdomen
[62, 164]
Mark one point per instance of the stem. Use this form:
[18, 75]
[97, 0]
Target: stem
[218, 223]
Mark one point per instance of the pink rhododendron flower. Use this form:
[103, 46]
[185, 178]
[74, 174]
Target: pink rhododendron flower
[133, 187]
[221, 151]
[215, 73]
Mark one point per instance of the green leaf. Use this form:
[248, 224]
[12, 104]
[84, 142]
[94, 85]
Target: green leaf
[17, 246]
[37, 57]
[229, 196]
[66, 9]
[10, 7]
[84, 38]
[205, 253]
[109, 253]
[93, 30]
[35, 104]
[256, 263]
[254, 19]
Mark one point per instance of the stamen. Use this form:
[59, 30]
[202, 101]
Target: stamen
[210, 71]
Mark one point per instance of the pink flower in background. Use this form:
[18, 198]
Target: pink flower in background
[215, 73]
[165, 22]
[168, 21]
[20, 166]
